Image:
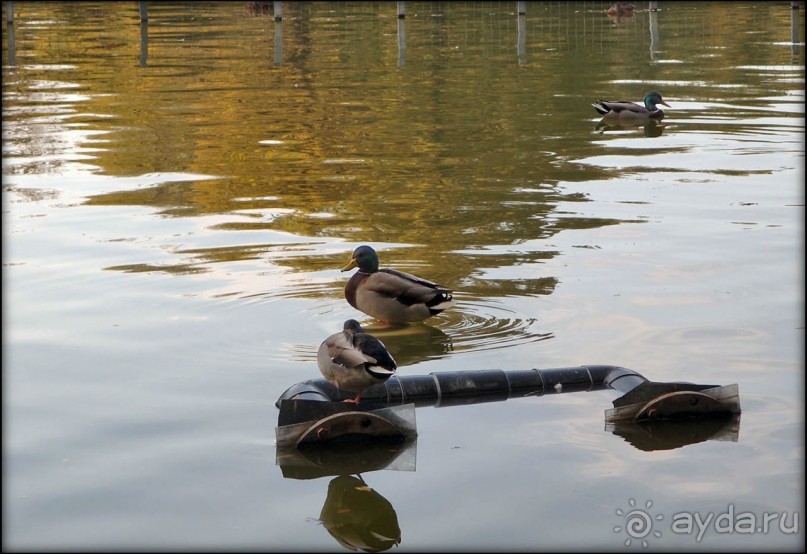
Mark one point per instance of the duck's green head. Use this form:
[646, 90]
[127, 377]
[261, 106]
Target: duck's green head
[365, 258]
[652, 98]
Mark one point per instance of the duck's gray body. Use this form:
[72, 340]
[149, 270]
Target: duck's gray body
[353, 360]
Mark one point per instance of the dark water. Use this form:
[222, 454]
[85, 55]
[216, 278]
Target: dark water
[178, 198]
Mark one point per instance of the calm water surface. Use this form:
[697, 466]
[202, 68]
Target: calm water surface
[178, 198]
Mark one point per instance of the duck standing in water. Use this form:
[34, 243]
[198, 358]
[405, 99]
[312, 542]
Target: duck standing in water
[353, 360]
[390, 295]
[631, 110]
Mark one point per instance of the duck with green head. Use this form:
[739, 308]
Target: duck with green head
[631, 110]
[390, 295]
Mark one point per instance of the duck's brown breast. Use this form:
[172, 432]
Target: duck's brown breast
[352, 287]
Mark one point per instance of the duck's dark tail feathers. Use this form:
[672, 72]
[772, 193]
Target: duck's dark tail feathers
[601, 109]
[440, 302]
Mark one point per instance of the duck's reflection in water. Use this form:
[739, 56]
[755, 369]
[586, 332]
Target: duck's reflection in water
[650, 127]
[354, 513]
[412, 343]
[358, 517]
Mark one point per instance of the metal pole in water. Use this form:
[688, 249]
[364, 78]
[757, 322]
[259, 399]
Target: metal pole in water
[278, 7]
[144, 12]
[521, 42]
[12, 48]
[521, 8]
[144, 37]
[278, 42]
[794, 31]
[401, 42]
[401, 10]
[654, 38]
[9, 12]
[653, 6]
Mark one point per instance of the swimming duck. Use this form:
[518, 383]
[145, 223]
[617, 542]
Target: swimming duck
[391, 295]
[353, 360]
[631, 110]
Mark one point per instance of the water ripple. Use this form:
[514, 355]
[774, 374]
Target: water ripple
[479, 325]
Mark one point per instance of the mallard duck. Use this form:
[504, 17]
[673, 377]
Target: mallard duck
[390, 295]
[353, 360]
[631, 110]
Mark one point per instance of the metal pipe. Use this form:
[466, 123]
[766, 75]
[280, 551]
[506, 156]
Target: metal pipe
[311, 411]
[452, 388]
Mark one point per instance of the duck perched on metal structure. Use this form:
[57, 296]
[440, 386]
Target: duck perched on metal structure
[631, 110]
[353, 360]
[390, 295]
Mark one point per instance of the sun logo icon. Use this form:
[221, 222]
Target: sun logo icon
[638, 523]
